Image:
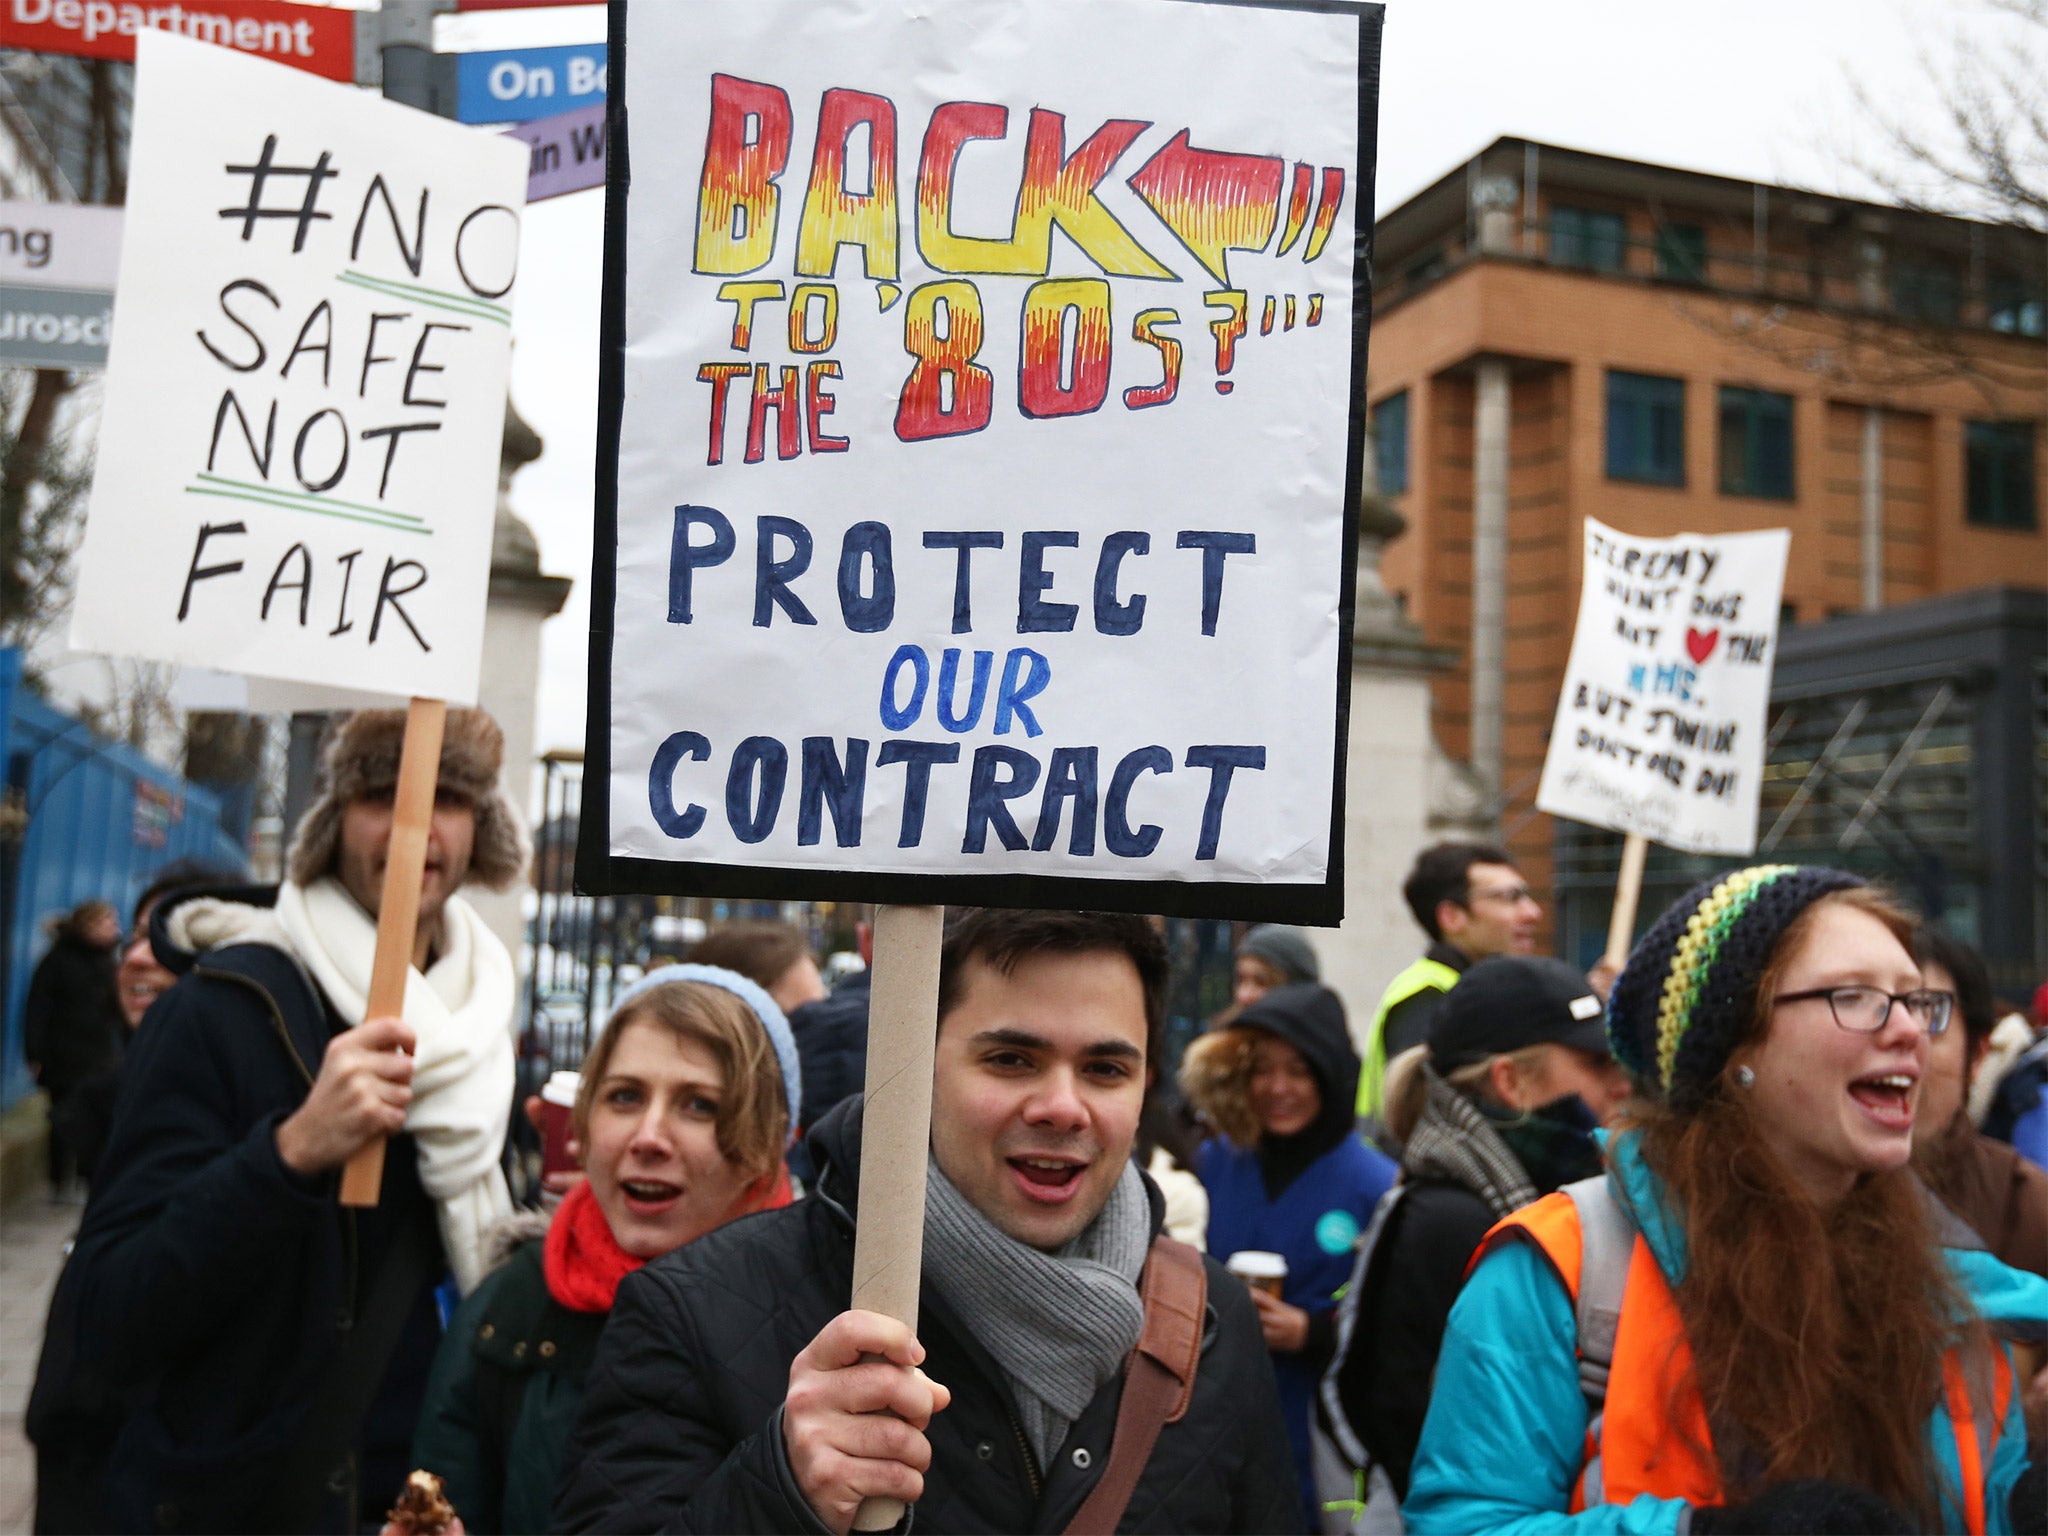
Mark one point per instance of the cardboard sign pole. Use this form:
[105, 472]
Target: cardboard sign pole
[1628, 890]
[888, 1246]
[412, 811]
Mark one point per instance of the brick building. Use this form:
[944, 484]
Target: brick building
[1559, 334]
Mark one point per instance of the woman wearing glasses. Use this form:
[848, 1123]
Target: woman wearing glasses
[1756, 1319]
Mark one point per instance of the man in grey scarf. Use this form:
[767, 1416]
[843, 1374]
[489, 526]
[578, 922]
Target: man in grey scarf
[734, 1391]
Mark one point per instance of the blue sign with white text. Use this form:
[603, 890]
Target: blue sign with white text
[517, 85]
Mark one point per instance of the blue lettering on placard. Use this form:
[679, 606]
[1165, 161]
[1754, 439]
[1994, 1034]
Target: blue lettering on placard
[1117, 835]
[829, 782]
[1214, 547]
[963, 543]
[1071, 776]
[949, 678]
[772, 577]
[685, 558]
[751, 810]
[873, 613]
[1221, 763]
[1111, 616]
[900, 717]
[987, 791]
[917, 758]
[1025, 676]
[661, 797]
[1034, 614]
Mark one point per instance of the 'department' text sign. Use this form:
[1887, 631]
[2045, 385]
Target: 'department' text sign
[298, 456]
[1660, 724]
[984, 419]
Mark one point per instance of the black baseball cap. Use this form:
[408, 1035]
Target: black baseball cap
[1506, 1002]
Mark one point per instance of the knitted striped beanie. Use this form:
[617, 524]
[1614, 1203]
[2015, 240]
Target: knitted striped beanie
[1689, 988]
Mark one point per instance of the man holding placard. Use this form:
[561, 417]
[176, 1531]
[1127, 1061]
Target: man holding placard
[229, 1348]
[734, 1391]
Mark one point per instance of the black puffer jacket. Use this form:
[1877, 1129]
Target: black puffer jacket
[211, 1286]
[682, 1417]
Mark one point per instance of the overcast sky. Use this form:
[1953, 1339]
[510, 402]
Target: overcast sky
[1756, 88]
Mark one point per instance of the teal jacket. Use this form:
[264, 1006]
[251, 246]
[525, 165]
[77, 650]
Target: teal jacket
[1505, 1437]
[506, 1390]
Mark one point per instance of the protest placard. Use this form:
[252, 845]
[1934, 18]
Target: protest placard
[1660, 719]
[979, 433]
[297, 461]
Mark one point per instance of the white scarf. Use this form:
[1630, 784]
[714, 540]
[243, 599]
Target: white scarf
[462, 1011]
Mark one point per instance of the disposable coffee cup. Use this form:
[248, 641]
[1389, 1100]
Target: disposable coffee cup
[557, 1098]
[1261, 1271]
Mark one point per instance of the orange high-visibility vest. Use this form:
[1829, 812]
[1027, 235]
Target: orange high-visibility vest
[1650, 1434]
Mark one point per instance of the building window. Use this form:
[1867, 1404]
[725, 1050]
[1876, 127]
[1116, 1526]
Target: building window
[1756, 443]
[1925, 291]
[1682, 253]
[1390, 443]
[1582, 237]
[1998, 463]
[1645, 428]
[2014, 306]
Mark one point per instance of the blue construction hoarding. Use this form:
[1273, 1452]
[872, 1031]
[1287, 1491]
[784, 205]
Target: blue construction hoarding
[82, 817]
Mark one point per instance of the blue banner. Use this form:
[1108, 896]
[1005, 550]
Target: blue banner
[517, 85]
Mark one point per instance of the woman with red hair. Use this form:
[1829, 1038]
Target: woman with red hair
[1757, 1319]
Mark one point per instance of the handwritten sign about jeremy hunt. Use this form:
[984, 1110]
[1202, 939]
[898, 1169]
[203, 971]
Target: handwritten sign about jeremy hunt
[986, 432]
[1660, 724]
[298, 456]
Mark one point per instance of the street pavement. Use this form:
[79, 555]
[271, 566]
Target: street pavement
[33, 1235]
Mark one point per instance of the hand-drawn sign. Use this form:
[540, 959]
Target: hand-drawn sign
[297, 459]
[942, 555]
[1660, 722]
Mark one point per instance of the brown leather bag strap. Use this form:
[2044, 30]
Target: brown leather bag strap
[1159, 1379]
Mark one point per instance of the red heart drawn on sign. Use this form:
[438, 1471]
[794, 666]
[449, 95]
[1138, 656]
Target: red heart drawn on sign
[1701, 646]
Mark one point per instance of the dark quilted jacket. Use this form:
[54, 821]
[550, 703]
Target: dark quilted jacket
[682, 1416]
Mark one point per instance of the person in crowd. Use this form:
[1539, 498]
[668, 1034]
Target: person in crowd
[229, 1348]
[1288, 1175]
[1999, 1193]
[1756, 1321]
[774, 956]
[733, 1391]
[1272, 955]
[1497, 1108]
[71, 1023]
[685, 1106]
[832, 1043]
[1169, 1149]
[139, 980]
[1472, 902]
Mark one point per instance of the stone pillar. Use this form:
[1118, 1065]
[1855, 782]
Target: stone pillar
[1398, 781]
[1489, 573]
[521, 600]
[1873, 508]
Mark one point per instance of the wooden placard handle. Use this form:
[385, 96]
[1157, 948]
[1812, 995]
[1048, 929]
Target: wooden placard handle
[1628, 891]
[896, 1118]
[412, 813]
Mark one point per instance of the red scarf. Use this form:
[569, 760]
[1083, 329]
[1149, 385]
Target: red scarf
[584, 1263]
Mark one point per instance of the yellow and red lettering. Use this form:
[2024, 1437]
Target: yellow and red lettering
[737, 199]
[947, 393]
[1040, 392]
[743, 297]
[784, 402]
[818, 404]
[1297, 207]
[1326, 212]
[834, 216]
[1315, 309]
[719, 376]
[800, 306]
[1226, 331]
[1213, 202]
[1056, 188]
[1146, 328]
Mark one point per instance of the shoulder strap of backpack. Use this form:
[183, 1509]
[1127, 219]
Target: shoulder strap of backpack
[1607, 1238]
[1351, 1301]
[1159, 1379]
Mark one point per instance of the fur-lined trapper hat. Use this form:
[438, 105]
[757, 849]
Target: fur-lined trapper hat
[360, 758]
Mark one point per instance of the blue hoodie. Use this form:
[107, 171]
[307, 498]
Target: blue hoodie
[1306, 1199]
[1506, 1433]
